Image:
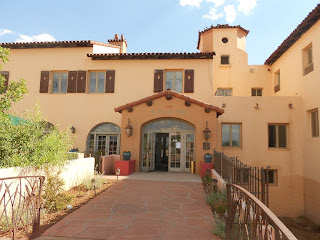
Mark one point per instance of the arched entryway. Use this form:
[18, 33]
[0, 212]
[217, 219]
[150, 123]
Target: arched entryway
[168, 144]
[104, 139]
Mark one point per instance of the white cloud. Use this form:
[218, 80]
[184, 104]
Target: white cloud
[190, 3]
[213, 15]
[4, 31]
[246, 6]
[44, 37]
[217, 3]
[231, 13]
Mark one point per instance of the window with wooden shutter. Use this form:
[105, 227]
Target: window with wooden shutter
[189, 81]
[81, 81]
[5, 74]
[44, 81]
[110, 75]
[72, 81]
[158, 81]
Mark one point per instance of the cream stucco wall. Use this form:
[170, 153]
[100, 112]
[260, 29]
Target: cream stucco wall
[298, 189]
[237, 75]
[294, 82]
[162, 108]
[133, 80]
[286, 199]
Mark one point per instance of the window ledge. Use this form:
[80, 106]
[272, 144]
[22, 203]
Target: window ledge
[278, 149]
[231, 148]
[225, 65]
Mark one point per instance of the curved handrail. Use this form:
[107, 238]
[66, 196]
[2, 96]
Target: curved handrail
[272, 218]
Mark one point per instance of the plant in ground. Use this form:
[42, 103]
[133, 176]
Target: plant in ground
[55, 198]
[96, 182]
[218, 202]
[219, 226]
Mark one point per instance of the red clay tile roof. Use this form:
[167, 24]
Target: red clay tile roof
[303, 27]
[174, 94]
[120, 56]
[218, 27]
[55, 44]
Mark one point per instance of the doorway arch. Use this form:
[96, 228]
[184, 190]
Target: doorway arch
[104, 139]
[168, 144]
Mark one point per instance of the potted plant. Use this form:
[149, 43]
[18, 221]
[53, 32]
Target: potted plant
[208, 158]
[126, 155]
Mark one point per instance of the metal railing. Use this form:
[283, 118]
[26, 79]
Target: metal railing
[248, 218]
[253, 179]
[20, 204]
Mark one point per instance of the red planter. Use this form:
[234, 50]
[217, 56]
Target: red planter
[126, 167]
[204, 167]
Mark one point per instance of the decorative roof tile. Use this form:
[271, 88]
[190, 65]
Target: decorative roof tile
[303, 27]
[174, 94]
[219, 26]
[121, 56]
[55, 44]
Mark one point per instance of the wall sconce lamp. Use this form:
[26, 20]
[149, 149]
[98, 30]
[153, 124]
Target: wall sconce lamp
[290, 105]
[72, 129]
[206, 132]
[129, 128]
[257, 106]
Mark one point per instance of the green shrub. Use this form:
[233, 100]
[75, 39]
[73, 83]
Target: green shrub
[218, 201]
[54, 196]
[219, 226]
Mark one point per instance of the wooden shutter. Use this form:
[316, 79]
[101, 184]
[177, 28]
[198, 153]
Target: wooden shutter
[72, 81]
[6, 76]
[44, 82]
[110, 75]
[158, 81]
[81, 82]
[188, 81]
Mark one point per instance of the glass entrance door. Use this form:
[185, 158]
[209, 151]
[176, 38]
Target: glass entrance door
[175, 150]
[107, 144]
[148, 162]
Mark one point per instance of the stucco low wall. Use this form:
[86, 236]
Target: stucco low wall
[72, 173]
[107, 164]
[222, 185]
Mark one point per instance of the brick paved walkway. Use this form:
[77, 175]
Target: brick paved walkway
[141, 210]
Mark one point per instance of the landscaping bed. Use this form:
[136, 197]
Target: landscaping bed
[79, 195]
[302, 228]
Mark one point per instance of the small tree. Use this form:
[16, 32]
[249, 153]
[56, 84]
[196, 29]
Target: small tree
[29, 143]
[15, 90]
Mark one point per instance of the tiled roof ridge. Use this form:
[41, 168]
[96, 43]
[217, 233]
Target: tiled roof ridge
[174, 94]
[220, 26]
[68, 42]
[151, 53]
[303, 27]
[161, 55]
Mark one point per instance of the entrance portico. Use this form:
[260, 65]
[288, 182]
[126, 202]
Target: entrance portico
[167, 131]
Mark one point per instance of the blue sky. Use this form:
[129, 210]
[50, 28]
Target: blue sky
[153, 25]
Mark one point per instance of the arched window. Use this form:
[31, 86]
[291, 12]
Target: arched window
[104, 139]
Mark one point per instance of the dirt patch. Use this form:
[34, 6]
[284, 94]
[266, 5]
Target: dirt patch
[81, 197]
[302, 228]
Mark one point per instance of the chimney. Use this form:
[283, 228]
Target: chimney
[121, 42]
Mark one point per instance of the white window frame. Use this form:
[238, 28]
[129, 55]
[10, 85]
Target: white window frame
[256, 92]
[97, 78]
[59, 84]
[224, 92]
[173, 83]
[277, 135]
[317, 123]
[230, 136]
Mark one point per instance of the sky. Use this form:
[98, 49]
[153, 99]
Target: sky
[152, 25]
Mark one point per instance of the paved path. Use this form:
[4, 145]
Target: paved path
[141, 210]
